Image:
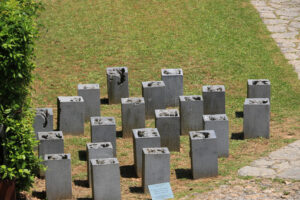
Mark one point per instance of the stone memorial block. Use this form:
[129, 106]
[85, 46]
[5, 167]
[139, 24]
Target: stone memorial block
[58, 176]
[106, 179]
[256, 118]
[219, 123]
[156, 166]
[43, 120]
[204, 153]
[91, 96]
[213, 99]
[173, 79]
[70, 115]
[95, 151]
[133, 114]
[103, 129]
[191, 112]
[117, 84]
[50, 143]
[259, 88]
[143, 138]
[167, 123]
[154, 96]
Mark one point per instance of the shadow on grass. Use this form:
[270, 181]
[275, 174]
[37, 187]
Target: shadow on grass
[39, 195]
[183, 173]
[136, 189]
[239, 114]
[237, 136]
[127, 171]
[119, 134]
[82, 155]
[81, 183]
[104, 101]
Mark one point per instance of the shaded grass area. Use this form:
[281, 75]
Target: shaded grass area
[214, 41]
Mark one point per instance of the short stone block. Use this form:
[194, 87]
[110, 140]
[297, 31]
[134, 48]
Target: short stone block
[58, 176]
[204, 153]
[133, 114]
[70, 115]
[50, 143]
[154, 96]
[219, 123]
[143, 138]
[106, 179]
[117, 84]
[259, 88]
[167, 123]
[173, 78]
[213, 99]
[95, 151]
[191, 112]
[43, 120]
[156, 166]
[103, 129]
[256, 118]
[91, 96]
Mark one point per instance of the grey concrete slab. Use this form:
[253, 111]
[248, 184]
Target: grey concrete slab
[191, 112]
[117, 84]
[43, 120]
[91, 96]
[50, 143]
[143, 138]
[70, 115]
[213, 99]
[167, 123]
[133, 114]
[258, 88]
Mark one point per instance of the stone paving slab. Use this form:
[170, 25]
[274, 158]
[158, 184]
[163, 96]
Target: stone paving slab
[283, 163]
[282, 18]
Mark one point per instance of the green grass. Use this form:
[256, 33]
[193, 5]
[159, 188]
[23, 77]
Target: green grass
[214, 41]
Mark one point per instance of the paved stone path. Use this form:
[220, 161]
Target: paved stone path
[283, 163]
[282, 18]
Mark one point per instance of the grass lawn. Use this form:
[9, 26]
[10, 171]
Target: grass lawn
[213, 41]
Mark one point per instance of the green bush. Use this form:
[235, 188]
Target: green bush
[18, 30]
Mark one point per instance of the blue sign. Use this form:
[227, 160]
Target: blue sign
[161, 191]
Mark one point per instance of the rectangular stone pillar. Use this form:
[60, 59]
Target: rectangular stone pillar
[143, 138]
[91, 96]
[133, 114]
[95, 151]
[167, 123]
[191, 112]
[154, 96]
[70, 115]
[258, 88]
[103, 129]
[106, 179]
[219, 123]
[156, 166]
[204, 153]
[50, 143]
[173, 78]
[58, 176]
[117, 84]
[256, 118]
[43, 120]
[213, 99]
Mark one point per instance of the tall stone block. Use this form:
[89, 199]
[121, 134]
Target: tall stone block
[219, 123]
[191, 112]
[103, 129]
[213, 99]
[106, 179]
[50, 143]
[70, 115]
[43, 120]
[256, 118]
[143, 138]
[58, 176]
[95, 151]
[204, 153]
[156, 166]
[133, 114]
[117, 84]
[173, 78]
[154, 96]
[259, 88]
[91, 96]
[167, 123]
